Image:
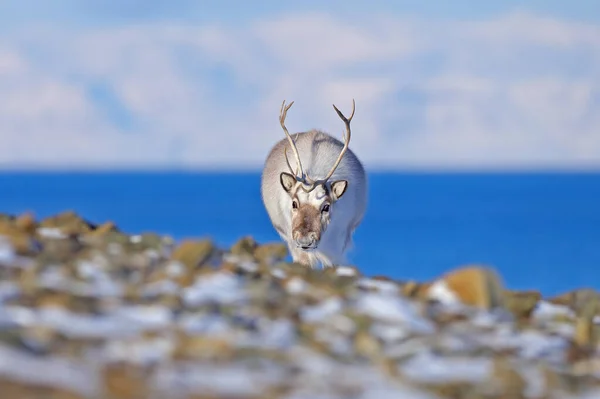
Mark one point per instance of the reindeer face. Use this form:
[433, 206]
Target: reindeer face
[311, 212]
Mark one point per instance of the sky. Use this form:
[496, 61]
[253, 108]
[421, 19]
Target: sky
[131, 84]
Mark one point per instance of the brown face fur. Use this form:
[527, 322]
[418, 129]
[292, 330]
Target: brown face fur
[307, 219]
[310, 216]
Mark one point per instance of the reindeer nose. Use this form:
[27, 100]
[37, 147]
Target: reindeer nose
[308, 241]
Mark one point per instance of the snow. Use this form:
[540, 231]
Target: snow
[204, 324]
[296, 285]
[99, 284]
[7, 252]
[278, 334]
[389, 333]
[278, 273]
[8, 290]
[427, 367]
[140, 352]
[175, 269]
[379, 285]
[51, 232]
[50, 371]
[530, 344]
[345, 271]
[441, 292]
[123, 321]
[226, 381]
[546, 310]
[219, 287]
[135, 239]
[243, 263]
[393, 309]
[322, 311]
[161, 287]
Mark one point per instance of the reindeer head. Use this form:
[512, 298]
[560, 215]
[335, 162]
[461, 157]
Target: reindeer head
[312, 201]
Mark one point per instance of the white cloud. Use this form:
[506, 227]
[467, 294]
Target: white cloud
[511, 91]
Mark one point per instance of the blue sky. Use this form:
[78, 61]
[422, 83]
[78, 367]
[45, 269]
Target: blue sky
[198, 84]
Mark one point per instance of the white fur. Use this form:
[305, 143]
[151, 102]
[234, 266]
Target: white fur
[318, 152]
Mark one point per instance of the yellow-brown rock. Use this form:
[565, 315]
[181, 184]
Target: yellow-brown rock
[67, 222]
[193, 253]
[413, 289]
[124, 381]
[577, 300]
[366, 345]
[19, 390]
[271, 253]
[244, 247]
[104, 229]
[475, 286]
[201, 347]
[20, 240]
[506, 380]
[26, 222]
[521, 303]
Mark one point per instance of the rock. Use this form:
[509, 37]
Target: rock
[193, 253]
[505, 380]
[39, 339]
[207, 348]
[146, 240]
[61, 250]
[244, 247]
[366, 345]
[67, 222]
[271, 253]
[124, 381]
[413, 289]
[26, 223]
[53, 299]
[22, 390]
[21, 242]
[473, 285]
[521, 304]
[103, 229]
[585, 337]
[577, 300]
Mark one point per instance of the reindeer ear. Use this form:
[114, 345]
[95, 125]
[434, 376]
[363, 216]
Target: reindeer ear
[338, 188]
[287, 181]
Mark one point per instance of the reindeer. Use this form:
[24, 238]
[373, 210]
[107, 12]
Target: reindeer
[316, 216]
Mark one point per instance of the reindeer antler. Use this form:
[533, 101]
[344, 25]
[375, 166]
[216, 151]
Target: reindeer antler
[282, 116]
[305, 179]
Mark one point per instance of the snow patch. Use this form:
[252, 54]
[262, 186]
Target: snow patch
[429, 368]
[51, 232]
[440, 291]
[393, 309]
[217, 287]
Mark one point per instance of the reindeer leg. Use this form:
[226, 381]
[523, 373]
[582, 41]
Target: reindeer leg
[302, 257]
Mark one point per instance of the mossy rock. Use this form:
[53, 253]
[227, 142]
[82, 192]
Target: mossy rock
[521, 303]
[193, 253]
[244, 247]
[271, 253]
[68, 222]
[578, 300]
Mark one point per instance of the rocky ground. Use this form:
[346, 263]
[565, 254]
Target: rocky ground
[87, 311]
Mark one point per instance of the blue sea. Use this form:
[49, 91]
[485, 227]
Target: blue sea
[540, 231]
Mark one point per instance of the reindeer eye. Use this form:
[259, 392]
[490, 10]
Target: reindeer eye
[325, 208]
[294, 204]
